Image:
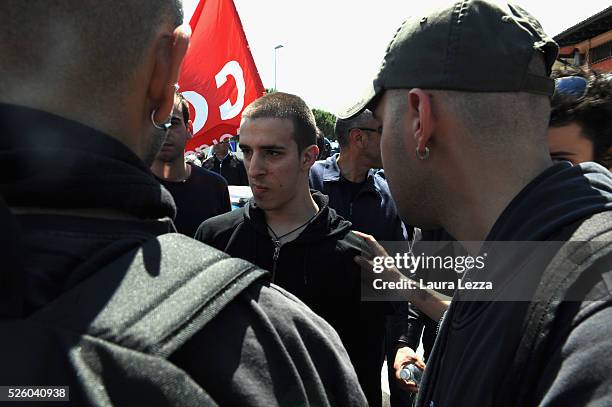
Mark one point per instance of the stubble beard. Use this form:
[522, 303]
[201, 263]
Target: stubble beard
[157, 140]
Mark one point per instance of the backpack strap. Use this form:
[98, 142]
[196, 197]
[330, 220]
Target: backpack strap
[589, 244]
[154, 298]
[12, 281]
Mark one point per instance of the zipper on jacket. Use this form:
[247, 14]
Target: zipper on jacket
[277, 247]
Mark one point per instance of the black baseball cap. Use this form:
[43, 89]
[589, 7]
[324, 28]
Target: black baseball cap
[472, 46]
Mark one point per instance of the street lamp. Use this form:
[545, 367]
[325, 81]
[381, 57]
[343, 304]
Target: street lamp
[276, 48]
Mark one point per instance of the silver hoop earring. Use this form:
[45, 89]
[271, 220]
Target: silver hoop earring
[422, 155]
[163, 126]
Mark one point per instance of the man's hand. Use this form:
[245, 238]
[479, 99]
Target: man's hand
[391, 273]
[429, 301]
[406, 356]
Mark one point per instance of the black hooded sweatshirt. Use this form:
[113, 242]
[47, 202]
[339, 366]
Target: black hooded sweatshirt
[264, 349]
[318, 268]
[478, 339]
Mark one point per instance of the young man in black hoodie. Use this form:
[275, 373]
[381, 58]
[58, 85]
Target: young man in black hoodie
[470, 130]
[291, 231]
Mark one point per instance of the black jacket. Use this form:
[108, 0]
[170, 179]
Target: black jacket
[264, 349]
[371, 210]
[231, 168]
[317, 267]
[478, 339]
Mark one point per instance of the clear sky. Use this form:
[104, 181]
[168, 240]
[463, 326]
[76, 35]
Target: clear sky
[332, 48]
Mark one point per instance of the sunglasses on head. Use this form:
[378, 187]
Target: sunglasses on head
[575, 86]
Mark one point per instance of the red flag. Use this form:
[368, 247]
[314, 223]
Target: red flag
[218, 77]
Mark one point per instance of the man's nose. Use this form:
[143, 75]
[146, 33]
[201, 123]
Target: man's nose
[256, 165]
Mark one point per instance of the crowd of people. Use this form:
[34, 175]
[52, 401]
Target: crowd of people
[465, 135]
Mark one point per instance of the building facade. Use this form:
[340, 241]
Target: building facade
[588, 44]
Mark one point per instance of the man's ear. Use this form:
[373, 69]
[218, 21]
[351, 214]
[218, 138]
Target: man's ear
[169, 54]
[356, 136]
[190, 129]
[422, 122]
[310, 156]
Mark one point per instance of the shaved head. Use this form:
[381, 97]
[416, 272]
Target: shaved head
[109, 64]
[78, 43]
[500, 122]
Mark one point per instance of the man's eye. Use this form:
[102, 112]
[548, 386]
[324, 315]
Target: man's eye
[274, 153]
[558, 158]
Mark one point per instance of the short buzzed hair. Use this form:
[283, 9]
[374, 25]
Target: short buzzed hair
[497, 120]
[94, 45]
[279, 105]
[344, 126]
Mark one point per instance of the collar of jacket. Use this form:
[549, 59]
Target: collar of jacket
[47, 161]
[332, 173]
[229, 156]
[558, 197]
[326, 224]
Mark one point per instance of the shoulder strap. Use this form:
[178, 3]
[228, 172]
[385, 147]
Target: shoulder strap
[591, 242]
[12, 281]
[154, 298]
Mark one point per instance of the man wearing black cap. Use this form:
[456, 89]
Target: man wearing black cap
[463, 97]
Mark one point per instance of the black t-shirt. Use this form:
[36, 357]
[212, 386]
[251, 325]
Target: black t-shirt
[353, 187]
[203, 195]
